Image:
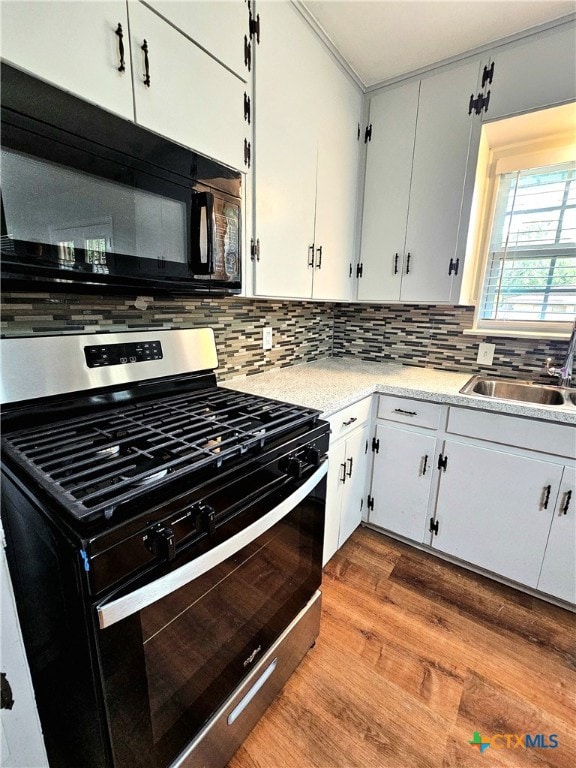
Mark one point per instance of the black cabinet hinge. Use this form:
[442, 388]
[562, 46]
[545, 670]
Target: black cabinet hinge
[375, 445]
[359, 270]
[479, 103]
[433, 526]
[254, 27]
[247, 108]
[453, 266]
[255, 249]
[370, 503]
[442, 462]
[247, 53]
[487, 75]
[368, 134]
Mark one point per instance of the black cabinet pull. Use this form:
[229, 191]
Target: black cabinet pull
[122, 67]
[319, 262]
[351, 420]
[350, 461]
[408, 257]
[343, 478]
[566, 502]
[547, 496]
[144, 47]
[396, 264]
[311, 255]
[406, 413]
[425, 465]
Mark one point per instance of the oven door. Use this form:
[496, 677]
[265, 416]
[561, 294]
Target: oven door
[173, 650]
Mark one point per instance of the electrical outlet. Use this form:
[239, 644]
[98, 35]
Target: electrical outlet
[267, 338]
[485, 353]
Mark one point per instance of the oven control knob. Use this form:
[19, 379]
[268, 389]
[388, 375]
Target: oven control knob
[312, 455]
[207, 515]
[161, 542]
[294, 468]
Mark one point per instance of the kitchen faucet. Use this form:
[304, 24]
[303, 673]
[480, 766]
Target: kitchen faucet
[565, 371]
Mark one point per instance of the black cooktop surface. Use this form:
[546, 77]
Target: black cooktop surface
[93, 463]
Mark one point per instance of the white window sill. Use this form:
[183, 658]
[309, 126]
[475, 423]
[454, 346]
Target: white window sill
[513, 334]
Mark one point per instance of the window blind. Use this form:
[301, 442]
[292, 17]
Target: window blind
[531, 269]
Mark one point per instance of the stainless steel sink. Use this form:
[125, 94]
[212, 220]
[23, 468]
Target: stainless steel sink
[519, 391]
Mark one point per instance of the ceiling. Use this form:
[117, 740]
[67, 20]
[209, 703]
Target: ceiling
[383, 39]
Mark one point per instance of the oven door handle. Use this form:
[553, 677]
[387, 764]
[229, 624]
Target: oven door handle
[119, 609]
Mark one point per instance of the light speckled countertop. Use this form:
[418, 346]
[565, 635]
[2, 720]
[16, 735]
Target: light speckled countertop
[333, 383]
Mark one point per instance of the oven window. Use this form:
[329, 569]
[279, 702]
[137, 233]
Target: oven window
[186, 653]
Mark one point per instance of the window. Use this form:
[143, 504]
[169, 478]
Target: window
[520, 268]
[531, 267]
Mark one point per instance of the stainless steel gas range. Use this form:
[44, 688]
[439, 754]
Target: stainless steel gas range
[164, 537]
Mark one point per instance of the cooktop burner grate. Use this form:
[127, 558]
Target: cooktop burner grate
[94, 463]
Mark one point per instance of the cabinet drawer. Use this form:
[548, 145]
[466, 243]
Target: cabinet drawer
[415, 412]
[350, 418]
[541, 436]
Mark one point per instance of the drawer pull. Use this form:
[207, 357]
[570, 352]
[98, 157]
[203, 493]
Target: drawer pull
[547, 491]
[406, 413]
[349, 474]
[350, 421]
[343, 476]
[425, 465]
[566, 504]
[395, 263]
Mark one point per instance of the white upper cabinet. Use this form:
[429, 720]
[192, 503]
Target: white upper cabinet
[417, 197]
[74, 46]
[182, 92]
[339, 103]
[534, 73]
[306, 149]
[218, 27]
[387, 191]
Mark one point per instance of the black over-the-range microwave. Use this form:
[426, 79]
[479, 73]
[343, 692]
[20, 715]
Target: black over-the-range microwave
[92, 202]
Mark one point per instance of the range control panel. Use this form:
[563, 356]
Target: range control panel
[122, 354]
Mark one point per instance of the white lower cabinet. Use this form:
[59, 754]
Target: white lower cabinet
[492, 490]
[558, 574]
[402, 480]
[349, 456]
[494, 509]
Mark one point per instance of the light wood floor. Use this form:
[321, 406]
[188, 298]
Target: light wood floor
[414, 656]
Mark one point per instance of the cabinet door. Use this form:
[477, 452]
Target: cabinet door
[286, 130]
[494, 509]
[334, 489]
[191, 98]
[339, 105]
[441, 162]
[558, 575]
[402, 480]
[73, 46]
[387, 191]
[533, 74]
[219, 27]
[356, 460]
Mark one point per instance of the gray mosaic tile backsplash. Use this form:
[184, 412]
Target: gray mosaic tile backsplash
[432, 337]
[420, 335]
[302, 331]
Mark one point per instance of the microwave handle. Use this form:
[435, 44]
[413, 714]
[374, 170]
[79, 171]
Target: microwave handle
[110, 613]
[202, 233]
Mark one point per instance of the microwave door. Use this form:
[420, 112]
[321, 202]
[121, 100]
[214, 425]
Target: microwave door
[202, 233]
